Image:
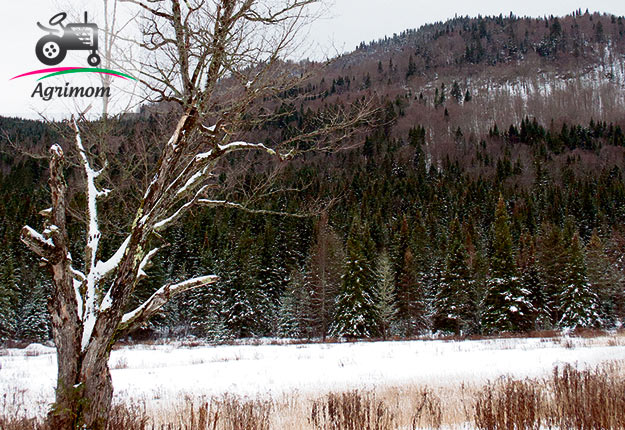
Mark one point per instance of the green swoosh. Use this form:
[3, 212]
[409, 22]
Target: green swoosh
[87, 70]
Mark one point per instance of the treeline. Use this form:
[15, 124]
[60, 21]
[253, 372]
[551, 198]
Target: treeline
[416, 249]
[414, 246]
[501, 39]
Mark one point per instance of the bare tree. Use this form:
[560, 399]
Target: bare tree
[220, 62]
[115, 28]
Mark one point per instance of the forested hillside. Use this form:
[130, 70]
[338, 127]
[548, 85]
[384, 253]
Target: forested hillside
[489, 197]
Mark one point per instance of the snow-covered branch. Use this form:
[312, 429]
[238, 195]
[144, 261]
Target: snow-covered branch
[93, 230]
[37, 243]
[161, 225]
[151, 306]
[95, 270]
[145, 263]
[103, 268]
[234, 205]
[243, 146]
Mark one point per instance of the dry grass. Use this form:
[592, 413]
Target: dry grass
[351, 411]
[568, 399]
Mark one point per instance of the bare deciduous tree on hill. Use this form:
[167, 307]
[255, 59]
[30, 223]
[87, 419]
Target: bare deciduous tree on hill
[218, 60]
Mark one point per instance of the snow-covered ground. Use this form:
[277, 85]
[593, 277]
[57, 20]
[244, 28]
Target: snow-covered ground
[166, 374]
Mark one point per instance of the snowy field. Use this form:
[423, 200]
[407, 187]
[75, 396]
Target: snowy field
[167, 374]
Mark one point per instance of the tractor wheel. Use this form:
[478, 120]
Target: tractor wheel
[50, 51]
[93, 60]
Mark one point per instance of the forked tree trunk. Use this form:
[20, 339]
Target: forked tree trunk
[84, 390]
[84, 327]
[84, 387]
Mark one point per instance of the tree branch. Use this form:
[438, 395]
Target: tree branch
[242, 146]
[152, 305]
[39, 245]
[234, 205]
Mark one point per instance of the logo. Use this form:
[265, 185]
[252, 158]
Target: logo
[51, 49]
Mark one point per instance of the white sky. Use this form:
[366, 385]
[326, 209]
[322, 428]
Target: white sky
[349, 22]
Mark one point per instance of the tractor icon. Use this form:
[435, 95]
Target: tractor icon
[52, 48]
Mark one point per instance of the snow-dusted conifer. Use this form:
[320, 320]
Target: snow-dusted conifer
[552, 265]
[453, 299]
[603, 278]
[506, 306]
[323, 277]
[290, 311]
[33, 321]
[384, 295]
[531, 280]
[355, 315]
[8, 297]
[246, 307]
[580, 304]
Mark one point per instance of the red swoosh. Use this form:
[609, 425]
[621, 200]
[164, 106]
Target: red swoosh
[51, 70]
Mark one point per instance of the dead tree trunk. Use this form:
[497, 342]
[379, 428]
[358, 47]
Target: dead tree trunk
[88, 400]
[87, 319]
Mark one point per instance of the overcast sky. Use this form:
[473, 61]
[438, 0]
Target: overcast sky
[347, 23]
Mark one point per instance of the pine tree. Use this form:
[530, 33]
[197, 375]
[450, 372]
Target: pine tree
[355, 307]
[506, 306]
[384, 295]
[603, 279]
[580, 304]
[8, 297]
[552, 265]
[456, 92]
[412, 67]
[290, 313]
[409, 289]
[530, 280]
[453, 305]
[32, 320]
[323, 277]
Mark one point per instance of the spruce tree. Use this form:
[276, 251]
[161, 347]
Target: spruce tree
[453, 305]
[552, 265]
[355, 307]
[456, 92]
[412, 67]
[385, 295]
[247, 309]
[32, 319]
[323, 277]
[290, 312]
[506, 305]
[531, 280]
[9, 285]
[580, 304]
[603, 279]
[409, 286]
